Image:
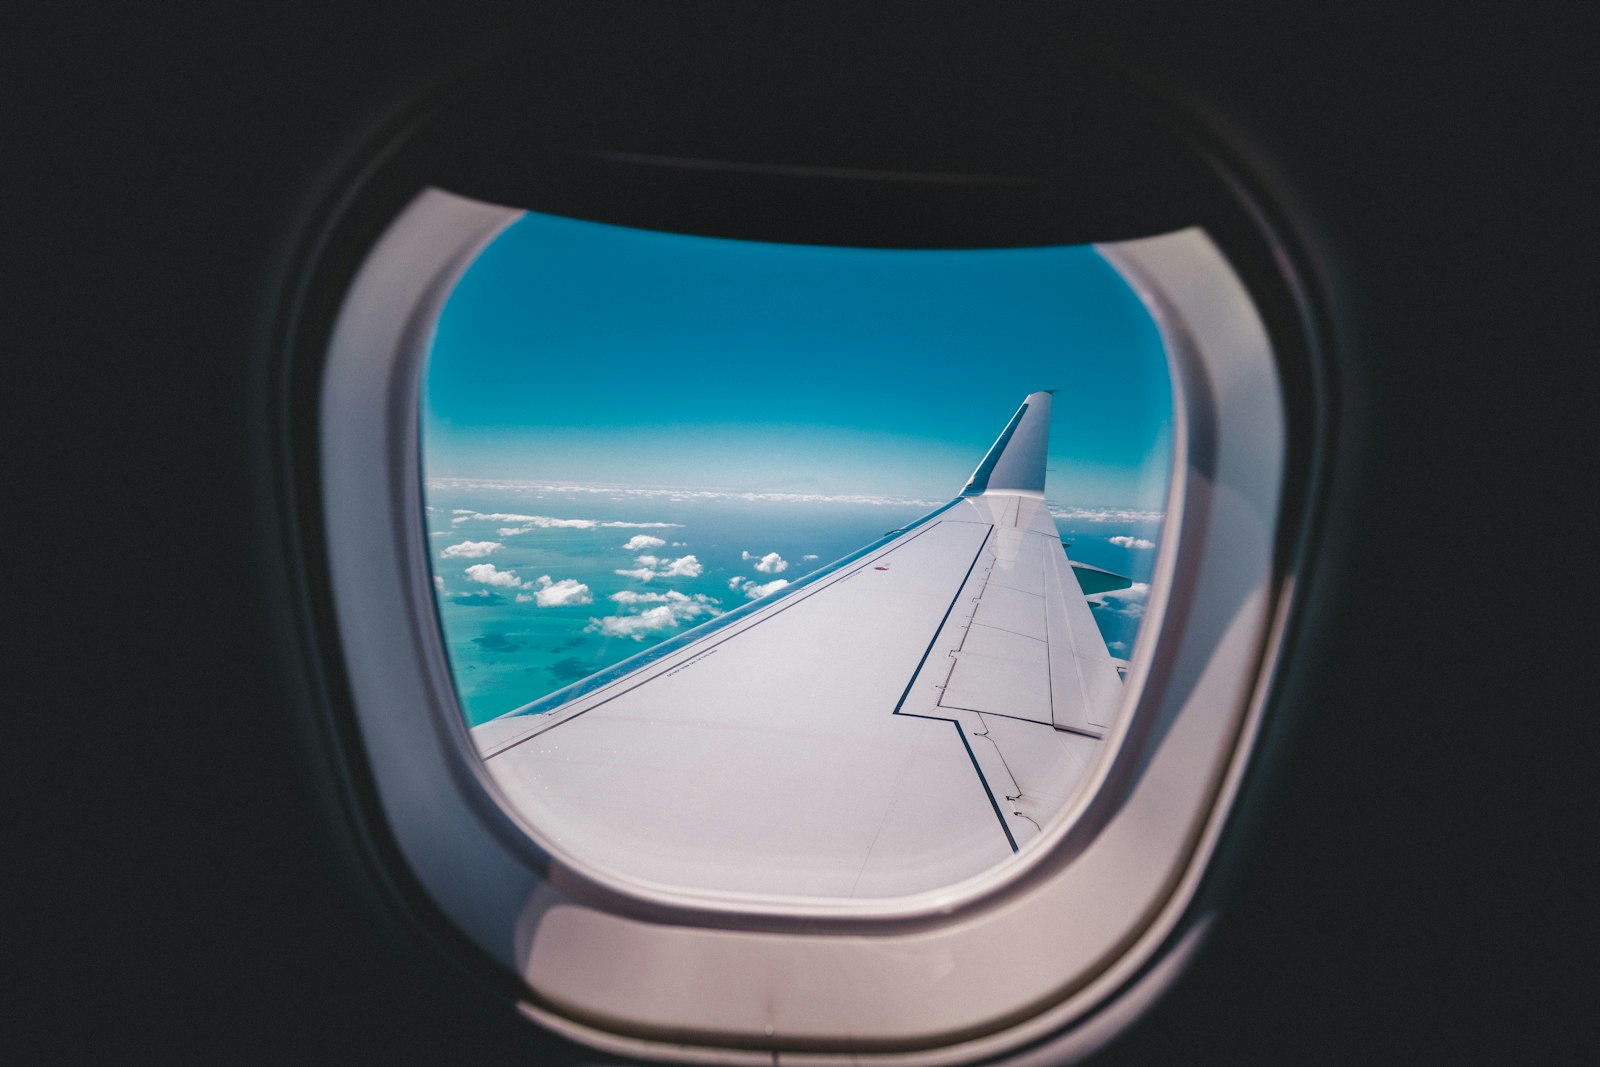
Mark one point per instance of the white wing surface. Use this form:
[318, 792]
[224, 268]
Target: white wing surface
[895, 722]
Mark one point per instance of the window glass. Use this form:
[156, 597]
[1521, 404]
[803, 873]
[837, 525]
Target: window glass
[627, 433]
[632, 439]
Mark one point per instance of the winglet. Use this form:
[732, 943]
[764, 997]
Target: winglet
[1015, 462]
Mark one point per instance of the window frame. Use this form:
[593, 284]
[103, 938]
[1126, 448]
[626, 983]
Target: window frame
[533, 910]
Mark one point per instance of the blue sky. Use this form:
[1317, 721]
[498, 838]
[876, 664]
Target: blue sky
[577, 351]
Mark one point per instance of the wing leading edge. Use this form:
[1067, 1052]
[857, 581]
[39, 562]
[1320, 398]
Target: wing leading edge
[896, 722]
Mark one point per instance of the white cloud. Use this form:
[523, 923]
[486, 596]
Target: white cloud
[771, 563]
[756, 592]
[685, 567]
[487, 574]
[634, 626]
[1129, 602]
[1083, 514]
[614, 492]
[808, 557]
[560, 594]
[638, 542]
[656, 567]
[1133, 542]
[471, 550]
[639, 574]
[438, 583]
[524, 598]
[673, 609]
[528, 523]
[671, 596]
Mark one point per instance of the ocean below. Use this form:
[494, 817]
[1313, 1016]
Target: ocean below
[539, 585]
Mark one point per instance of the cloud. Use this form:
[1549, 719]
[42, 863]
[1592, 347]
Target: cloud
[1129, 602]
[808, 557]
[615, 492]
[685, 566]
[438, 583]
[546, 591]
[529, 523]
[639, 542]
[671, 596]
[634, 626]
[638, 574]
[755, 592]
[672, 610]
[471, 550]
[487, 574]
[568, 591]
[656, 567]
[479, 599]
[771, 563]
[1083, 514]
[1133, 542]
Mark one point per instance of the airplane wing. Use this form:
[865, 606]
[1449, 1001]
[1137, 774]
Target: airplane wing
[894, 722]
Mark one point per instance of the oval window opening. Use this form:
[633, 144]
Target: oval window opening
[789, 570]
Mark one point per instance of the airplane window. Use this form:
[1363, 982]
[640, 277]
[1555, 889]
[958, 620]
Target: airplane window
[706, 797]
[796, 571]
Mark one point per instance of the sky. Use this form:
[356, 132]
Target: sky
[582, 352]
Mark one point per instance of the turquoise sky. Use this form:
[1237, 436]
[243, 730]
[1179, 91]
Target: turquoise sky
[577, 351]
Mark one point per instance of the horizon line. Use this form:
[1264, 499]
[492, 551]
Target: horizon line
[456, 482]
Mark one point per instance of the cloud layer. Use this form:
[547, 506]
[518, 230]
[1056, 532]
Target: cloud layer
[528, 523]
[1083, 514]
[642, 492]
